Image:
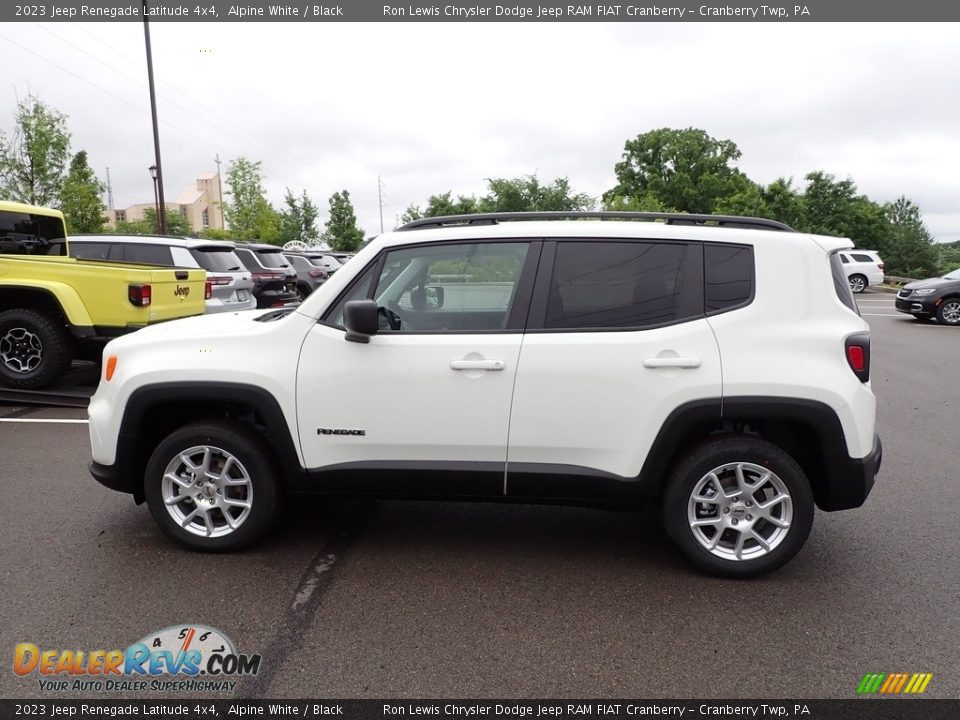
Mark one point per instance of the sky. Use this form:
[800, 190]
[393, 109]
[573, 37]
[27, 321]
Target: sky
[437, 107]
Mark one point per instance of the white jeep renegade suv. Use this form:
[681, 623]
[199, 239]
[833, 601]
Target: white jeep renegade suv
[585, 358]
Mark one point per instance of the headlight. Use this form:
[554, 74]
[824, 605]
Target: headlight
[925, 291]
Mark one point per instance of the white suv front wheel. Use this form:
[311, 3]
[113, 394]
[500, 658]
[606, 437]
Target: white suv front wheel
[738, 507]
[213, 486]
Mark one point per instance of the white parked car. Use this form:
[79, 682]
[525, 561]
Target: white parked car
[597, 362]
[863, 268]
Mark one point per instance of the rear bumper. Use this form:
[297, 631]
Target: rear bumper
[851, 480]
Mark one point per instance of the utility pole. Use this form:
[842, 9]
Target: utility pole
[161, 205]
[109, 191]
[380, 195]
[223, 224]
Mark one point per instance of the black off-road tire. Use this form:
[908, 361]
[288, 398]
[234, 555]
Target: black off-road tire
[55, 349]
[724, 451]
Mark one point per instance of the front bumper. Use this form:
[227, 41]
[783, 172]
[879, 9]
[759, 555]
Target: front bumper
[108, 476]
[912, 306]
[851, 480]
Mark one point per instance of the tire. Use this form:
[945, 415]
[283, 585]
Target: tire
[771, 474]
[35, 349]
[255, 481]
[858, 283]
[949, 312]
[303, 291]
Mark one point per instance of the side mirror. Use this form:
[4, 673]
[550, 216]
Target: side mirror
[434, 298]
[360, 318]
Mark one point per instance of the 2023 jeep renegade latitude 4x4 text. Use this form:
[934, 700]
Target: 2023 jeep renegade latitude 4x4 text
[590, 361]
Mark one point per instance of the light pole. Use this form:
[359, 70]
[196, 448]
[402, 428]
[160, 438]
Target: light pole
[158, 176]
[156, 197]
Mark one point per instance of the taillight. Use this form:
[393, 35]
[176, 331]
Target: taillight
[267, 276]
[880, 265]
[317, 273]
[858, 355]
[207, 290]
[139, 295]
[218, 280]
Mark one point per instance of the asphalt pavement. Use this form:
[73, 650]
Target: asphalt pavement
[423, 599]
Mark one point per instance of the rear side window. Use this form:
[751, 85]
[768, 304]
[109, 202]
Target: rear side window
[860, 257]
[217, 259]
[728, 276]
[148, 254]
[29, 234]
[615, 284]
[840, 283]
[91, 250]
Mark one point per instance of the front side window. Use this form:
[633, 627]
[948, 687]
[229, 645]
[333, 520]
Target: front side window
[442, 288]
[29, 234]
[600, 284]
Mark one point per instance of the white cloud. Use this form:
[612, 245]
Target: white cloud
[434, 107]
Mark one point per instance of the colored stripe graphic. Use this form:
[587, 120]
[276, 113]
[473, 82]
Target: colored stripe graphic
[894, 683]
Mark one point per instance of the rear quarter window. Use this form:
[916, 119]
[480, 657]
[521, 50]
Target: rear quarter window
[727, 276]
[148, 254]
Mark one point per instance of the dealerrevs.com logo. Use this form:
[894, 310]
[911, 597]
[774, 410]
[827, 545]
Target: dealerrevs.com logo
[180, 657]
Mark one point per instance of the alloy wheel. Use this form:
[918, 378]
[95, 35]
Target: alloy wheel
[207, 491]
[740, 511]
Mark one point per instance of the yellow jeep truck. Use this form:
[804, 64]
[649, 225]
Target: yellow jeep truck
[53, 305]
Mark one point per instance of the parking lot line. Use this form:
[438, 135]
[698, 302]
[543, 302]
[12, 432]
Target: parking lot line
[882, 314]
[44, 420]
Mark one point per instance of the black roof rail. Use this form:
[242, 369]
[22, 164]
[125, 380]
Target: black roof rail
[728, 221]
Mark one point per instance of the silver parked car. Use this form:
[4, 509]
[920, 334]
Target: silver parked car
[309, 275]
[229, 283]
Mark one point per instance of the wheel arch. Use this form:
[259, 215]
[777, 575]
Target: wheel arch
[807, 430]
[154, 411]
[57, 299]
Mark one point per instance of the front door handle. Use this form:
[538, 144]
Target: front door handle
[671, 362]
[477, 364]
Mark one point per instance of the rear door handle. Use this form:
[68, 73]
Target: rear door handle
[477, 364]
[671, 362]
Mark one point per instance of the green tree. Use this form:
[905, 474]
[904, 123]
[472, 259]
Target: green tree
[949, 257]
[833, 207]
[177, 224]
[248, 213]
[299, 220]
[526, 194]
[684, 170]
[523, 194]
[911, 252]
[33, 161]
[440, 205]
[341, 231]
[81, 201]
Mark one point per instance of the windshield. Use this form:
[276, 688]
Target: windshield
[217, 259]
[955, 275]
